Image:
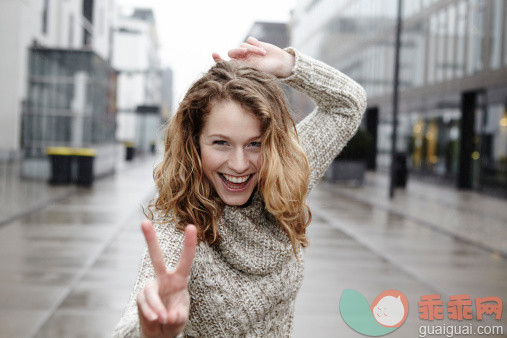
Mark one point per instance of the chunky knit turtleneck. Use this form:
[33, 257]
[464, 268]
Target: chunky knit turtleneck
[247, 285]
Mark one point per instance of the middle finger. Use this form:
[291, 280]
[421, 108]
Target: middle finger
[253, 49]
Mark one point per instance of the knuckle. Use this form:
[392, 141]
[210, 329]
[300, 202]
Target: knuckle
[146, 290]
[140, 297]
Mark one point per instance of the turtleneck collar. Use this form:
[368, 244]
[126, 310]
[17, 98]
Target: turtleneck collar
[251, 240]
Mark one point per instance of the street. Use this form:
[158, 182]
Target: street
[68, 268]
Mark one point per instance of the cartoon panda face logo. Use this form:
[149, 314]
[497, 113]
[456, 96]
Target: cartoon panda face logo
[390, 308]
[389, 311]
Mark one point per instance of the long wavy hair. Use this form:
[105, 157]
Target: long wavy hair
[185, 193]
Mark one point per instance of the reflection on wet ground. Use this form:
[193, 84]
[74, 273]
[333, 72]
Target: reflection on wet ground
[20, 196]
[66, 217]
[374, 249]
[62, 273]
[68, 269]
[469, 216]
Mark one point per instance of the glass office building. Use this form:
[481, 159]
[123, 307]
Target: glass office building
[453, 80]
[71, 102]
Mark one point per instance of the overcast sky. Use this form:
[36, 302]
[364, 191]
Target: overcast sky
[190, 30]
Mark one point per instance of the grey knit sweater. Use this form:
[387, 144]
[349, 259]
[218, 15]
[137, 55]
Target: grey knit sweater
[247, 285]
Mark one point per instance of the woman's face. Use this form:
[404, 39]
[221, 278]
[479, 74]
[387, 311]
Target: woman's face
[230, 144]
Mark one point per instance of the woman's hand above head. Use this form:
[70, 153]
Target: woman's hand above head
[164, 303]
[263, 56]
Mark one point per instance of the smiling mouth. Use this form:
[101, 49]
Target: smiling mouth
[235, 182]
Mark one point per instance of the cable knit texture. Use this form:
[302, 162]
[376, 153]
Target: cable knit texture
[247, 285]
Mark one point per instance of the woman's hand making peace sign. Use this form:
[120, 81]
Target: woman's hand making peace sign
[263, 56]
[164, 303]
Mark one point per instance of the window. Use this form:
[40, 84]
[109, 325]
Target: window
[71, 31]
[461, 36]
[45, 17]
[475, 36]
[432, 48]
[88, 10]
[496, 34]
[451, 41]
[441, 36]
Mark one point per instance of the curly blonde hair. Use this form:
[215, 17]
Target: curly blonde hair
[184, 192]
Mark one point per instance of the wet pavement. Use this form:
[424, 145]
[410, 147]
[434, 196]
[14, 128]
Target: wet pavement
[476, 218]
[21, 196]
[67, 269]
[363, 245]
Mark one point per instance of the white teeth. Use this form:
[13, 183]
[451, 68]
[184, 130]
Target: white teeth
[235, 179]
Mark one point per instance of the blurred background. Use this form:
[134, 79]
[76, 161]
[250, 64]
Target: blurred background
[87, 86]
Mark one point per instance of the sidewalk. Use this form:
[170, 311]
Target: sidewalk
[68, 269]
[469, 216]
[21, 197]
[362, 241]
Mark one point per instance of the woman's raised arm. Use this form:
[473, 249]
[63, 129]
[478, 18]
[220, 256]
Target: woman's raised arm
[340, 100]
[341, 103]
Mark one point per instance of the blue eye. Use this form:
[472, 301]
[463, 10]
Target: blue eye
[255, 144]
[220, 142]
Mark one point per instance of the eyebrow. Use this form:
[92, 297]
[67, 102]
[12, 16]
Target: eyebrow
[227, 138]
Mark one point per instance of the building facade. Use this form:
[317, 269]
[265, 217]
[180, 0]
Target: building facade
[136, 58]
[453, 80]
[59, 24]
[167, 93]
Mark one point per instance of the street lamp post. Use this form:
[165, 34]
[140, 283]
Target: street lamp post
[395, 100]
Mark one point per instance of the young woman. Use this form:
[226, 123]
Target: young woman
[237, 168]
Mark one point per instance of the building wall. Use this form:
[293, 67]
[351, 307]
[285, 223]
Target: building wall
[136, 58]
[18, 23]
[167, 93]
[450, 49]
[21, 25]
[104, 12]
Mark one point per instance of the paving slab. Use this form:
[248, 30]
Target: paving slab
[68, 269]
[46, 255]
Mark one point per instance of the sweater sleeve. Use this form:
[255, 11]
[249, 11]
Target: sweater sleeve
[171, 242]
[341, 103]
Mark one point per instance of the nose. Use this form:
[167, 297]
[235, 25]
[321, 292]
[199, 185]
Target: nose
[239, 161]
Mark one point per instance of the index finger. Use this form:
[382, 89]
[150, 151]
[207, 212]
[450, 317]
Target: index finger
[217, 57]
[237, 52]
[156, 253]
[187, 254]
